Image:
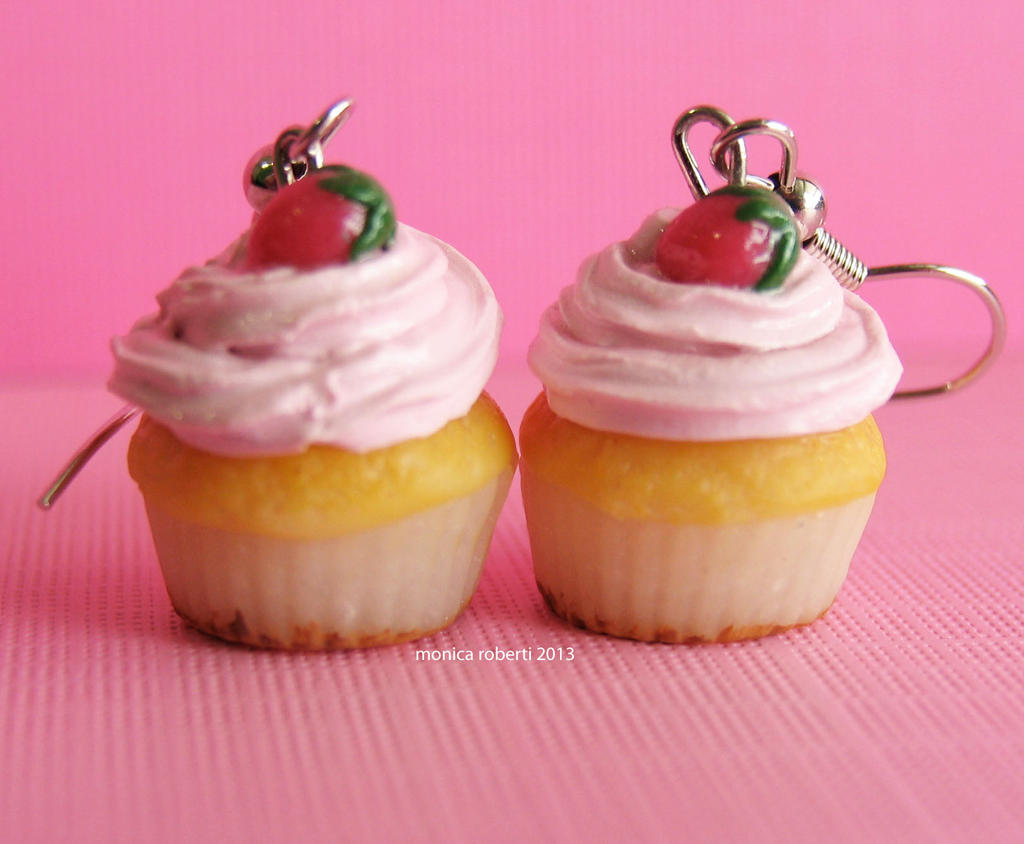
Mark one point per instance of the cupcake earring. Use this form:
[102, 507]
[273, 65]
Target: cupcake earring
[319, 464]
[702, 461]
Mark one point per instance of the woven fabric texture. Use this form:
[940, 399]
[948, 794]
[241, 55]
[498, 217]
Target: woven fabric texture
[898, 717]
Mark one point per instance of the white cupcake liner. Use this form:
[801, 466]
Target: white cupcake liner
[658, 581]
[387, 584]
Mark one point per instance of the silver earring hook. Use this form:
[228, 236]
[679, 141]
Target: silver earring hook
[84, 453]
[735, 169]
[295, 152]
[807, 202]
[997, 338]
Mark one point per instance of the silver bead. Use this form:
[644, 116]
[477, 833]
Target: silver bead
[258, 179]
[807, 202]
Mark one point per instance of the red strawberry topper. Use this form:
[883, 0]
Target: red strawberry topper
[332, 215]
[736, 236]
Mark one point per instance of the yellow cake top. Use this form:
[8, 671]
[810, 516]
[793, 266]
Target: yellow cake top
[726, 482]
[324, 491]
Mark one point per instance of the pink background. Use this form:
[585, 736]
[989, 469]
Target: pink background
[526, 134]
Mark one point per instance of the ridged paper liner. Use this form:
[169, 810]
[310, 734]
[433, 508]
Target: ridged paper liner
[658, 581]
[378, 586]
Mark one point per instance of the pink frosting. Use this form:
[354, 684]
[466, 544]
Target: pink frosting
[360, 355]
[627, 351]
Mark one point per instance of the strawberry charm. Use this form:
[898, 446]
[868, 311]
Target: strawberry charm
[737, 236]
[332, 215]
[310, 215]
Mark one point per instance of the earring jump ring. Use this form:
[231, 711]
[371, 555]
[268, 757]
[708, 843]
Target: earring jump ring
[735, 134]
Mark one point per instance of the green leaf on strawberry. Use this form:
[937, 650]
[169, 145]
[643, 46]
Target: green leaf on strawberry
[379, 228]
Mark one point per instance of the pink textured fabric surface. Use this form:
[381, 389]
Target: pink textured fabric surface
[899, 717]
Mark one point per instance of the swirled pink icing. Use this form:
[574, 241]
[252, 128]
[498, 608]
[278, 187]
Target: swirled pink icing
[361, 355]
[625, 350]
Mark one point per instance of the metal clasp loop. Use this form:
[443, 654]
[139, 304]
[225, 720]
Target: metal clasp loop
[298, 150]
